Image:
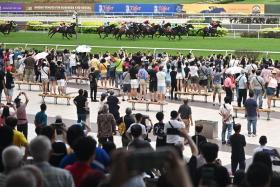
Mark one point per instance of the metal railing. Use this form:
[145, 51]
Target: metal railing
[190, 50]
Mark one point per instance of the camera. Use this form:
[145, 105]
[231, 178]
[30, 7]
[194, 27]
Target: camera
[173, 131]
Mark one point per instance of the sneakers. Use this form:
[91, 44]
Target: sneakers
[224, 142]
[254, 135]
[249, 134]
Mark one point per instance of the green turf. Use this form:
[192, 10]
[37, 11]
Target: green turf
[224, 43]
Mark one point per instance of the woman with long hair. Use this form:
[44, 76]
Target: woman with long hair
[271, 88]
[6, 113]
[87, 109]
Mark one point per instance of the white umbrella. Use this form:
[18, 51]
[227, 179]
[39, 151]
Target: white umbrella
[234, 70]
[83, 49]
[41, 55]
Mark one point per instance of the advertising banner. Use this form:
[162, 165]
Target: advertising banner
[59, 7]
[224, 8]
[272, 9]
[101, 8]
[6, 7]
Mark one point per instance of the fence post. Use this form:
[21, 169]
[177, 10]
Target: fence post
[26, 46]
[258, 34]
[155, 53]
[56, 47]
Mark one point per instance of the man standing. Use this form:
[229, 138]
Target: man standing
[40, 149]
[257, 84]
[161, 85]
[93, 76]
[185, 112]
[29, 68]
[22, 124]
[172, 130]
[226, 113]
[143, 77]
[119, 70]
[80, 102]
[229, 86]
[2, 80]
[252, 112]
[238, 143]
[241, 83]
[41, 118]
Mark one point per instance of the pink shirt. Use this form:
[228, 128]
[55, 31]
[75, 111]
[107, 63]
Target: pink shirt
[272, 83]
[21, 114]
[228, 83]
[265, 74]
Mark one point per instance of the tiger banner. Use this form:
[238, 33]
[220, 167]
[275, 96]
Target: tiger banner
[224, 8]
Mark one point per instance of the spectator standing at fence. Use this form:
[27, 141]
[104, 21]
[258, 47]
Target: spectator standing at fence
[257, 84]
[22, 124]
[29, 68]
[185, 113]
[217, 86]
[271, 87]
[194, 76]
[153, 83]
[61, 78]
[133, 71]
[203, 78]
[126, 84]
[229, 86]
[52, 78]
[93, 77]
[73, 63]
[45, 77]
[241, 86]
[277, 69]
[238, 143]
[103, 71]
[143, 77]
[119, 70]
[173, 74]
[161, 84]
[226, 111]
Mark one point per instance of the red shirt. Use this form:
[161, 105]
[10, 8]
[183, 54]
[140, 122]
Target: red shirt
[80, 169]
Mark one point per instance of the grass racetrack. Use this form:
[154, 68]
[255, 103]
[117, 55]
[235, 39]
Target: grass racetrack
[221, 43]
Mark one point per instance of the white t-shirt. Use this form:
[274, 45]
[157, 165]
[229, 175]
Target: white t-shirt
[72, 59]
[226, 110]
[144, 132]
[241, 81]
[161, 78]
[173, 139]
[193, 71]
[44, 72]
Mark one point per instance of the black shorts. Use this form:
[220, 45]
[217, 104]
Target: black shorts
[85, 65]
[203, 82]
[126, 88]
[153, 86]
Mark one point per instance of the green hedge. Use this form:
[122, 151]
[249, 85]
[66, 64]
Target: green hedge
[263, 33]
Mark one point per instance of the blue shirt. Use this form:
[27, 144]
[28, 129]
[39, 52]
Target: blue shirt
[100, 163]
[41, 118]
[251, 107]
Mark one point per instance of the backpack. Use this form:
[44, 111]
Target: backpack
[122, 127]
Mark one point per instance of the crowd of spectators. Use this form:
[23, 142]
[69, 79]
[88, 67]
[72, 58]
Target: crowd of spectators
[67, 155]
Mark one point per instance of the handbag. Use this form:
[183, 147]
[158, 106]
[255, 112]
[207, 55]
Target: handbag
[122, 127]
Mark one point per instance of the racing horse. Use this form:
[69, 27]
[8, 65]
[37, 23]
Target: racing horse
[6, 28]
[65, 31]
[106, 30]
[180, 30]
[132, 32]
[148, 30]
[206, 31]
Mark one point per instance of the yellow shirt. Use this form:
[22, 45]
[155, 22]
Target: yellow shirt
[103, 67]
[19, 139]
[94, 63]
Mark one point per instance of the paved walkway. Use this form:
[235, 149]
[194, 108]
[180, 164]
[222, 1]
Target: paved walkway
[201, 111]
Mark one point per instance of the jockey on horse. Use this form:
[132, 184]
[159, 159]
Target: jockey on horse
[62, 26]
